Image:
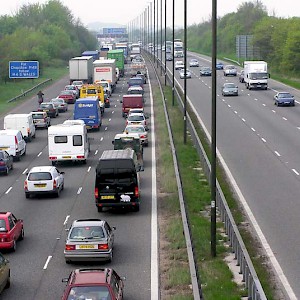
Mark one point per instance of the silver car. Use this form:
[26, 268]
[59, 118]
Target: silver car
[60, 103]
[140, 130]
[89, 240]
[230, 89]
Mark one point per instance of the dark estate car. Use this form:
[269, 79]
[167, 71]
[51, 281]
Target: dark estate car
[94, 284]
[284, 98]
[205, 71]
[6, 162]
[219, 65]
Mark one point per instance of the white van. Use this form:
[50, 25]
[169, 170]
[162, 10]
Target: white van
[68, 142]
[12, 141]
[117, 73]
[74, 122]
[22, 122]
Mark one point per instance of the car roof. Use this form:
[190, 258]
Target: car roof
[91, 276]
[88, 222]
[42, 169]
[5, 213]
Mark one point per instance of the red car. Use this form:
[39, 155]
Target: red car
[93, 284]
[11, 230]
[68, 96]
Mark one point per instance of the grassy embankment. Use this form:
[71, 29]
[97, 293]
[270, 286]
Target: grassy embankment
[16, 87]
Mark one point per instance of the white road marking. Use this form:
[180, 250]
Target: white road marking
[285, 119]
[47, 262]
[243, 120]
[105, 128]
[79, 190]
[264, 104]
[253, 129]
[263, 140]
[109, 120]
[229, 105]
[8, 190]
[255, 99]
[296, 172]
[39, 154]
[113, 112]
[25, 171]
[101, 139]
[274, 111]
[298, 127]
[96, 152]
[89, 169]
[277, 153]
[66, 219]
[115, 105]
[235, 112]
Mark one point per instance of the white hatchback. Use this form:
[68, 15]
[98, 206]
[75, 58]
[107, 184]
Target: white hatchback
[137, 119]
[44, 180]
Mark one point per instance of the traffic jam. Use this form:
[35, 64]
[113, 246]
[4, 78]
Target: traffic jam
[75, 136]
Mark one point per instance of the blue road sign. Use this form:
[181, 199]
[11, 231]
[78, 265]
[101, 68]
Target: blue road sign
[114, 30]
[23, 69]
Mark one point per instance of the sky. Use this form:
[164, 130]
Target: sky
[124, 12]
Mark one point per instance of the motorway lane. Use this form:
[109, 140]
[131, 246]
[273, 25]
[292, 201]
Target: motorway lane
[44, 217]
[259, 143]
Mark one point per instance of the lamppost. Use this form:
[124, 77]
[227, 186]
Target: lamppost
[213, 129]
[184, 87]
[157, 35]
[161, 43]
[173, 62]
[165, 42]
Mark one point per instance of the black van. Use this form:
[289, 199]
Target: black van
[117, 180]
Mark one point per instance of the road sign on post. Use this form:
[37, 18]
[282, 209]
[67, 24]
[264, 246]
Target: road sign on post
[23, 69]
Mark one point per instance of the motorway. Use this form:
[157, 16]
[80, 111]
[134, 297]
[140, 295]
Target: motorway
[259, 143]
[38, 265]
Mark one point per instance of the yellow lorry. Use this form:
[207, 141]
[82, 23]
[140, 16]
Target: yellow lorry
[89, 90]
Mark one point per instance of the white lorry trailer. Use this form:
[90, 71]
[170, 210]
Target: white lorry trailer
[81, 69]
[256, 74]
[105, 69]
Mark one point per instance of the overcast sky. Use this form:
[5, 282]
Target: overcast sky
[124, 11]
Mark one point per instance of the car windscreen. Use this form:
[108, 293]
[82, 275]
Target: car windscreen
[89, 292]
[47, 105]
[36, 176]
[134, 129]
[230, 86]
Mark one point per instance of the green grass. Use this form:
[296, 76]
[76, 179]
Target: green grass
[15, 87]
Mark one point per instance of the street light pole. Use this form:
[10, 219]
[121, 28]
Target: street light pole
[185, 88]
[165, 42]
[161, 38]
[213, 129]
[173, 62]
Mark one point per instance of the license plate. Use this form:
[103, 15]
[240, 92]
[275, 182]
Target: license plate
[258, 85]
[46, 110]
[107, 197]
[3, 148]
[66, 157]
[40, 185]
[86, 246]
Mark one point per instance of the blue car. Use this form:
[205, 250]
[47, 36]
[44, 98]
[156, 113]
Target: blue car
[219, 65]
[6, 162]
[284, 98]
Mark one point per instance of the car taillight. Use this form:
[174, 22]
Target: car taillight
[54, 184]
[52, 157]
[136, 191]
[26, 185]
[126, 122]
[69, 247]
[142, 136]
[96, 193]
[103, 246]
[80, 156]
[16, 142]
[2, 163]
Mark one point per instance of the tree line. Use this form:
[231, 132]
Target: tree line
[47, 33]
[277, 39]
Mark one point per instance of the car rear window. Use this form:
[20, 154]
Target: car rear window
[37, 116]
[89, 292]
[2, 225]
[1, 155]
[36, 176]
[135, 118]
[87, 232]
[46, 105]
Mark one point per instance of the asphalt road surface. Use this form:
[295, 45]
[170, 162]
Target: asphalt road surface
[38, 265]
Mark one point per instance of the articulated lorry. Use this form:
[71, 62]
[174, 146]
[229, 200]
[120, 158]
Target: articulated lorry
[118, 55]
[81, 68]
[105, 69]
[256, 74]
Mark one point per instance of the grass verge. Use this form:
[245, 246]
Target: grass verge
[15, 87]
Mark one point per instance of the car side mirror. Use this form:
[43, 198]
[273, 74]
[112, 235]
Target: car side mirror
[62, 172]
[112, 142]
[114, 228]
[65, 280]
[26, 173]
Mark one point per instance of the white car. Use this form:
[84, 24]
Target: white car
[44, 180]
[194, 63]
[140, 130]
[136, 111]
[230, 70]
[186, 74]
[78, 83]
[137, 119]
[179, 65]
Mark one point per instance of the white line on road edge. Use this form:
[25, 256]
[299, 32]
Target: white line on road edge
[39, 154]
[47, 262]
[263, 140]
[8, 190]
[66, 219]
[89, 169]
[25, 171]
[285, 119]
[296, 172]
[154, 226]
[79, 190]
[277, 153]
[101, 139]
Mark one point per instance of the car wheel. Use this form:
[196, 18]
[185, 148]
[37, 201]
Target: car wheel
[6, 171]
[136, 208]
[53, 163]
[68, 261]
[12, 166]
[99, 208]
[14, 247]
[62, 186]
[21, 237]
[7, 282]
[27, 196]
[110, 257]
[57, 193]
